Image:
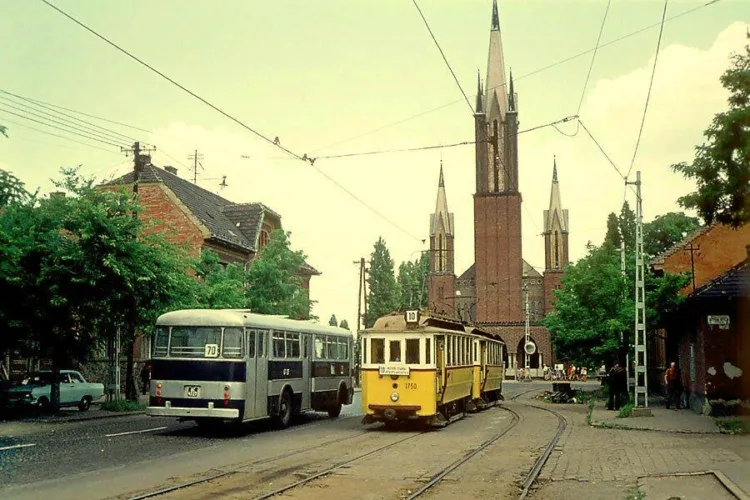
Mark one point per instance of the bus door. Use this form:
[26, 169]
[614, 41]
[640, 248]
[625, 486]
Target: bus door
[306, 369]
[440, 364]
[251, 363]
[262, 353]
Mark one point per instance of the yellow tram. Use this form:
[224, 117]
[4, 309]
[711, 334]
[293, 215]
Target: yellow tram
[420, 366]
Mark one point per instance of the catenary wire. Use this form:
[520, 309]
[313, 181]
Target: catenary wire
[44, 115]
[650, 85]
[5, 120]
[455, 78]
[534, 72]
[50, 108]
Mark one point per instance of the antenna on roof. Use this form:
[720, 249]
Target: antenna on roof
[196, 157]
[223, 182]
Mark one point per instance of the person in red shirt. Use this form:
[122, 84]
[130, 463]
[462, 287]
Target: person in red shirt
[671, 381]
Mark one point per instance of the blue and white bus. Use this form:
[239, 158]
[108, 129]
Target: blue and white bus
[233, 365]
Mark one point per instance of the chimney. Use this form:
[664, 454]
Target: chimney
[170, 169]
[59, 194]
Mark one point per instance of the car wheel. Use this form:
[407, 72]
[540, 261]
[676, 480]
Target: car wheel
[43, 404]
[84, 404]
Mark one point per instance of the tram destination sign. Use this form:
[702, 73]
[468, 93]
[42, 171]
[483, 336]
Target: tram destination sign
[394, 370]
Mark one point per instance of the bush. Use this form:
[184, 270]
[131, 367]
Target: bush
[625, 411]
[123, 405]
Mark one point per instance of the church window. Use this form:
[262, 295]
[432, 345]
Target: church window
[557, 250]
[440, 253]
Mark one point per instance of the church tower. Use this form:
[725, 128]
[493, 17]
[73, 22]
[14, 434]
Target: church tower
[441, 289]
[497, 201]
[555, 242]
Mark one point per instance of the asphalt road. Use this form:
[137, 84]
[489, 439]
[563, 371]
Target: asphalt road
[36, 450]
[36, 455]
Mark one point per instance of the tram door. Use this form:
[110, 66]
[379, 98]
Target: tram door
[440, 363]
[483, 362]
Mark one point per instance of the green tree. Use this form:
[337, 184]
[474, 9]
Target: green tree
[333, 321]
[663, 232]
[383, 295]
[612, 237]
[412, 282]
[218, 287]
[344, 324]
[273, 282]
[627, 223]
[721, 166]
[4, 130]
[12, 189]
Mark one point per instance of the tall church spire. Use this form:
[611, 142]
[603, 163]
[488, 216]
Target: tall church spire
[555, 227]
[480, 106]
[495, 16]
[495, 91]
[441, 289]
[441, 221]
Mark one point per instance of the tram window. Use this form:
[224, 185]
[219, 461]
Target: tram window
[232, 347]
[278, 344]
[292, 345]
[251, 334]
[363, 343]
[161, 342]
[190, 342]
[261, 343]
[378, 350]
[412, 351]
[427, 351]
[320, 348]
[395, 355]
[474, 349]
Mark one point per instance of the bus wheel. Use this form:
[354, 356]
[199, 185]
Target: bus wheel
[334, 411]
[285, 411]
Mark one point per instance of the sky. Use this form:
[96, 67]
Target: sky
[352, 76]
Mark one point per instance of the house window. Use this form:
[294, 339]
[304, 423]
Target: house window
[262, 240]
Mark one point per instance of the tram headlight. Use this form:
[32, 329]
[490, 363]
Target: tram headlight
[394, 397]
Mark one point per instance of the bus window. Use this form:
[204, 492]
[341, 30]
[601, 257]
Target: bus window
[161, 342]
[427, 352]
[377, 346]
[232, 347]
[412, 351]
[320, 348]
[278, 344]
[191, 342]
[292, 345]
[395, 356]
[261, 343]
[251, 334]
[343, 349]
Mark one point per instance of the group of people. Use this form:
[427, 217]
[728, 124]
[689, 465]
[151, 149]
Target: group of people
[572, 372]
[617, 382]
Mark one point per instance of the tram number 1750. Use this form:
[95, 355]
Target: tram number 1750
[410, 385]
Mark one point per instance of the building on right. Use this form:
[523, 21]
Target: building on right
[708, 336]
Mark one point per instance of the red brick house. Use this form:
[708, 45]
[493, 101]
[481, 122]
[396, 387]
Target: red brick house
[191, 215]
[708, 354]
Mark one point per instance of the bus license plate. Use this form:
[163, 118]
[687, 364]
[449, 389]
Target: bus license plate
[192, 391]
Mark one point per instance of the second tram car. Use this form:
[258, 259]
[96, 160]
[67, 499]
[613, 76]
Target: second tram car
[428, 368]
[232, 365]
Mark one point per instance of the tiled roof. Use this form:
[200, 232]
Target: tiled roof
[659, 259]
[236, 224]
[734, 283]
[530, 271]
[469, 275]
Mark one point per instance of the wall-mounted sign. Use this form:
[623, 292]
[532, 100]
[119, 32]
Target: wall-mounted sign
[722, 321]
[393, 370]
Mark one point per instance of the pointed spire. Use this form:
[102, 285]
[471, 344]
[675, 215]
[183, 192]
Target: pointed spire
[441, 217]
[495, 91]
[441, 182]
[554, 169]
[511, 94]
[495, 16]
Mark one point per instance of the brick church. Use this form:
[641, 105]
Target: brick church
[492, 293]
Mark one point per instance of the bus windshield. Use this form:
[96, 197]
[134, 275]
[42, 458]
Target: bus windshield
[195, 342]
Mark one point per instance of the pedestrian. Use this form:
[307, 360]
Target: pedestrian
[617, 386]
[672, 383]
[146, 378]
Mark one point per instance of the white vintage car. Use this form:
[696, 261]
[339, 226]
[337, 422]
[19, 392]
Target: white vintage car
[35, 388]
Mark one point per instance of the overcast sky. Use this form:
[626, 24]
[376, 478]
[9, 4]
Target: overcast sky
[340, 76]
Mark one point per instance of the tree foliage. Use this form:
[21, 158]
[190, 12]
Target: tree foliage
[333, 321]
[344, 324]
[12, 190]
[594, 316]
[383, 295]
[412, 281]
[666, 230]
[721, 166]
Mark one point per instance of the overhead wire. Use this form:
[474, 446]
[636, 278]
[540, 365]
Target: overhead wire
[276, 142]
[650, 86]
[534, 72]
[5, 120]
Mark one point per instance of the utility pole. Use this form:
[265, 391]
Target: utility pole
[692, 249]
[640, 360]
[622, 336]
[195, 157]
[527, 360]
[361, 263]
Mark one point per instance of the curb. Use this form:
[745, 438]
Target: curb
[730, 485]
[72, 420]
[621, 427]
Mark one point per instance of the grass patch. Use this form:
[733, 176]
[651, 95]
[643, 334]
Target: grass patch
[635, 494]
[625, 411]
[733, 426]
[123, 405]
